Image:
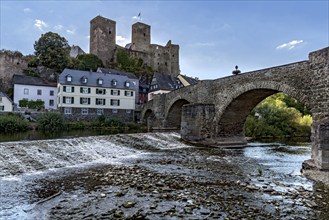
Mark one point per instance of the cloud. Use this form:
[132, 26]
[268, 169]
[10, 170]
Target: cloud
[27, 10]
[70, 31]
[58, 27]
[40, 24]
[290, 45]
[120, 38]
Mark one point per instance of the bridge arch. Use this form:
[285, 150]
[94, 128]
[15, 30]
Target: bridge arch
[233, 113]
[174, 113]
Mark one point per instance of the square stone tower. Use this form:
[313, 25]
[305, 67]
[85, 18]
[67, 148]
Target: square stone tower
[141, 37]
[103, 39]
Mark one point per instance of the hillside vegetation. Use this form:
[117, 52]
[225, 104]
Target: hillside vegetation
[277, 116]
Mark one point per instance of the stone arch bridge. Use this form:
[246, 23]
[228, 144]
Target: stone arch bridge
[215, 111]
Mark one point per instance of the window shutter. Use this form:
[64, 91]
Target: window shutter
[118, 92]
[111, 93]
[72, 88]
[64, 99]
[81, 90]
[119, 102]
[89, 90]
[64, 88]
[104, 101]
[80, 100]
[88, 101]
[72, 100]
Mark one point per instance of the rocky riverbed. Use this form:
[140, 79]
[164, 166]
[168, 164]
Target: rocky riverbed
[181, 182]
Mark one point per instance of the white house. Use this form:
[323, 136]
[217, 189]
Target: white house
[87, 95]
[6, 104]
[35, 88]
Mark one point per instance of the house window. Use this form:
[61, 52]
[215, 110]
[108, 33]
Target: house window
[100, 111]
[69, 78]
[68, 100]
[0, 99]
[85, 90]
[129, 93]
[115, 92]
[84, 111]
[68, 89]
[128, 111]
[114, 82]
[127, 84]
[100, 101]
[114, 110]
[2, 108]
[39, 92]
[85, 101]
[26, 91]
[115, 102]
[84, 79]
[51, 93]
[100, 81]
[101, 91]
[67, 111]
[51, 102]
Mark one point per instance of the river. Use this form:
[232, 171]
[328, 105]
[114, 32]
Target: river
[155, 176]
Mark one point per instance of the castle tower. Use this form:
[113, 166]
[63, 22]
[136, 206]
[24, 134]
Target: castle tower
[174, 58]
[141, 37]
[103, 39]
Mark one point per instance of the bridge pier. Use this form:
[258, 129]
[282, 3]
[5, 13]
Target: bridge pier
[197, 122]
[320, 147]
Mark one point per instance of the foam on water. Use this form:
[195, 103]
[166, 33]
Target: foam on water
[34, 156]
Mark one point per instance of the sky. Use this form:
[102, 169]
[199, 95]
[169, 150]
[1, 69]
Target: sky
[213, 36]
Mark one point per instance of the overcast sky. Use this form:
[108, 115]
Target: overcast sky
[214, 36]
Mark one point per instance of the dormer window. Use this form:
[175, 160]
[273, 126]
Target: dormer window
[84, 79]
[127, 84]
[114, 82]
[68, 78]
[100, 81]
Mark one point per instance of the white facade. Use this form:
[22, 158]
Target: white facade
[95, 97]
[48, 94]
[5, 104]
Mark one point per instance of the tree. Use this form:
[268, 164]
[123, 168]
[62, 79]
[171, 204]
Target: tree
[52, 51]
[279, 115]
[86, 62]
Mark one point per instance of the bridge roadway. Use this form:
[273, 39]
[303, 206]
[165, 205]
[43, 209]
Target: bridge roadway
[215, 111]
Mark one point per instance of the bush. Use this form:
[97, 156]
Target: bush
[51, 122]
[11, 123]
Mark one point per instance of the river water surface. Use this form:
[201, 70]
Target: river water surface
[155, 176]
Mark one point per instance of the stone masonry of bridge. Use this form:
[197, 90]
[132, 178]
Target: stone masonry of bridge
[215, 111]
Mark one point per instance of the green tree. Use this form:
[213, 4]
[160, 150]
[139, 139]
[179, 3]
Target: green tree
[52, 51]
[125, 62]
[89, 62]
[275, 117]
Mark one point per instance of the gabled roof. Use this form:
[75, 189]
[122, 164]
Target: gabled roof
[2, 94]
[164, 82]
[117, 72]
[30, 80]
[93, 77]
[190, 80]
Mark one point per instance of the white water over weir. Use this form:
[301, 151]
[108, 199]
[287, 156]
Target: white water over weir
[32, 156]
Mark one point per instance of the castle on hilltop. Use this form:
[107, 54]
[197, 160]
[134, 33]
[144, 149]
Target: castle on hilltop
[162, 59]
